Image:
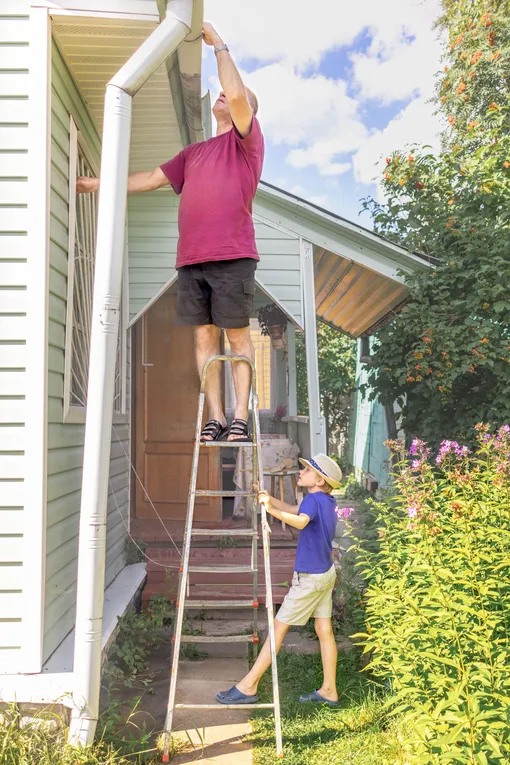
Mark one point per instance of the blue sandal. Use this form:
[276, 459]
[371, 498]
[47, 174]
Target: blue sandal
[235, 696]
[318, 699]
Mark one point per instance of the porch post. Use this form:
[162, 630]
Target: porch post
[317, 424]
[291, 381]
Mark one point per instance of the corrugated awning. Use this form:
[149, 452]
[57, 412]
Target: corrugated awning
[351, 297]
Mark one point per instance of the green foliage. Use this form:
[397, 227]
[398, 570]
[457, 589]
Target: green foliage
[446, 358]
[138, 636]
[270, 315]
[337, 368]
[438, 598]
[42, 740]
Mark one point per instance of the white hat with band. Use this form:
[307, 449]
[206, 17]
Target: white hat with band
[326, 468]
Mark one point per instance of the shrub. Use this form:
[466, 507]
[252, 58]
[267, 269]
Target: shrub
[438, 597]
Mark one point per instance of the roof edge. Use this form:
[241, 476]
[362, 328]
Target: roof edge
[353, 230]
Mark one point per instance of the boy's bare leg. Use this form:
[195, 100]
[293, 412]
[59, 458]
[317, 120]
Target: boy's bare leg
[249, 683]
[329, 653]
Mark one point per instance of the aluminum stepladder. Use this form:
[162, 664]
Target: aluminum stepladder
[184, 602]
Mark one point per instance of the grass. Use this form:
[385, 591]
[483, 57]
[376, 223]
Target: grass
[41, 740]
[358, 733]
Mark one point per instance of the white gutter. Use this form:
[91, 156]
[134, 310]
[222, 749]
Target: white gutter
[105, 324]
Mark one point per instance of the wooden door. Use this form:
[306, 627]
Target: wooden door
[166, 401]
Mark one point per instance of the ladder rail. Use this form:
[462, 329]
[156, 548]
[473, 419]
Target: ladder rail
[185, 569]
[269, 589]
[183, 576]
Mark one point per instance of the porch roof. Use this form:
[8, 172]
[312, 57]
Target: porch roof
[167, 109]
[358, 275]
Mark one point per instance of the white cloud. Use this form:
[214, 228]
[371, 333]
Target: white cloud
[414, 124]
[301, 32]
[320, 119]
[314, 114]
[320, 201]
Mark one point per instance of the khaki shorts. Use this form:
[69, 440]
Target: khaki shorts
[311, 595]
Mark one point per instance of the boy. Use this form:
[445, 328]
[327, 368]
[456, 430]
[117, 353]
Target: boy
[312, 583]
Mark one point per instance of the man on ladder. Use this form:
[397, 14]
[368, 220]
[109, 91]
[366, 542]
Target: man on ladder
[216, 253]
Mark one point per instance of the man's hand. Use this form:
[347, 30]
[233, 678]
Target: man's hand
[86, 185]
[210, 35]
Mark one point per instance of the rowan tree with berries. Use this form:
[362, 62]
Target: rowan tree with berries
[446, 358]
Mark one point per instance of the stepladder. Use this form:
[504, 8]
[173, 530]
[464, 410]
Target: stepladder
[184, 601]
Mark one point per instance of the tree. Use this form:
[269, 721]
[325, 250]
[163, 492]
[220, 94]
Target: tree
[446, 358]
[337, 368]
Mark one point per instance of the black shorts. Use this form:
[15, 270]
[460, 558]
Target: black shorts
[219, 292]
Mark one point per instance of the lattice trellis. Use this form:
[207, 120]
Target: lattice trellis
[83, 209]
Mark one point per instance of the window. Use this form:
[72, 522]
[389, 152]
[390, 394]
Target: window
[80, 288]
[264, 366]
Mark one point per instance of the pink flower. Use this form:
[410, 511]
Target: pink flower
[412, 512]
[344, 512]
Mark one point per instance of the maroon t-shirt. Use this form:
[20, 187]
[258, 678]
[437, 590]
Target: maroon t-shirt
[218, 179]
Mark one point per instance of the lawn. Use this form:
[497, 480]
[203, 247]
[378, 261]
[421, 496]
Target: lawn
[358, 733]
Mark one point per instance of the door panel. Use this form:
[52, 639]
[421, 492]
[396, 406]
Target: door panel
[167, 389]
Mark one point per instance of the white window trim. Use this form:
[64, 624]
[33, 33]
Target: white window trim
[78, 414]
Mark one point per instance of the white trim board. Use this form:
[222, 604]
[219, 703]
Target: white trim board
[153, 299]
[172, 281]
[34, 558]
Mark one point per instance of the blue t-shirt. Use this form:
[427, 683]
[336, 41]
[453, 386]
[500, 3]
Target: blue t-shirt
[314, 547]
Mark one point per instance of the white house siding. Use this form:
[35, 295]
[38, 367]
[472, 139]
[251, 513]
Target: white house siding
[14, 105]
[65, 441]
[153, 245]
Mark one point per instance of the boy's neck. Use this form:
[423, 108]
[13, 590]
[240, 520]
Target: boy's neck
[316, 489]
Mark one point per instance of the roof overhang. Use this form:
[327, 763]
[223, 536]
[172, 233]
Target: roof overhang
[359, 276]
[167, 111]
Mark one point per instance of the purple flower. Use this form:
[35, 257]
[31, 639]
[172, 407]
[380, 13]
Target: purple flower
[503, 431]
[416, 464]
[487, 437]
[414, 447]
[344, 512]
[412, 512]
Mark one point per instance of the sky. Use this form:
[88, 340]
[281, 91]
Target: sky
[340, 84]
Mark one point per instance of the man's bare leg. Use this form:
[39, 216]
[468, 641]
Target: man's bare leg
[250, 682]
[241, 345]
[329, 653]
[208, 344]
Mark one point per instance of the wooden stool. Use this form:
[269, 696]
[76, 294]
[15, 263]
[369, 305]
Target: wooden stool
[281, 474]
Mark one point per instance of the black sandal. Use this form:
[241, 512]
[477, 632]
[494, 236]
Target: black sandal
[212, 431]
[239, 429]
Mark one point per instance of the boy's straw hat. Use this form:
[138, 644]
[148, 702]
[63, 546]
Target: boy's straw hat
[326, 468]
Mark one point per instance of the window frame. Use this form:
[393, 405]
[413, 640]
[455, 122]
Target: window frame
[73, 413]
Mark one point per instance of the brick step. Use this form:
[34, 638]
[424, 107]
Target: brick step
[216, 593]
[278, 576]
[150, 530]
[214, 555]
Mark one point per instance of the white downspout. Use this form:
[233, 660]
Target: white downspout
[105, 323]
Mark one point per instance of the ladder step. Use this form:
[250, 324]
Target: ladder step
[219, 603]
[225, 706]
[224, 532]
[217, 638]
[211, 493]
[229, 444]
[222, 570]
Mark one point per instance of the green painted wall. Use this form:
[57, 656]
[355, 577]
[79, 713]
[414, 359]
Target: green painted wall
[14, 105]
[65, 441]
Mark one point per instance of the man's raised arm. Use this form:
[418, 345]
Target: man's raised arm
[145, 181]
[231, 83]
